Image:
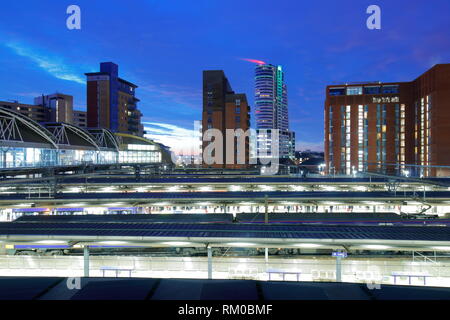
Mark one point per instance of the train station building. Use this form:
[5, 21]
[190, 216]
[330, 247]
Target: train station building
[27, 143]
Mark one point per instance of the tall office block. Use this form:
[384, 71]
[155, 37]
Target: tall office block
[111, 101]
[55, 107]
[60, 105]
[80, 118]
[224, 109]
[37, 113]
[271, 108]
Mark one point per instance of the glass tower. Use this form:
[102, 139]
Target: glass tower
[271, 107]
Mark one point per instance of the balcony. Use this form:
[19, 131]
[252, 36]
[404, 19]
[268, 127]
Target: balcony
[133, 127]
[133, 121]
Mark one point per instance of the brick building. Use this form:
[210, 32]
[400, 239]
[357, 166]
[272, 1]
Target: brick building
[224, 109]
[394, 128]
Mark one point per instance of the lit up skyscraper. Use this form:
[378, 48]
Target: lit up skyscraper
[271, 107]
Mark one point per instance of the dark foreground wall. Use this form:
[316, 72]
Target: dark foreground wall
[52, 288]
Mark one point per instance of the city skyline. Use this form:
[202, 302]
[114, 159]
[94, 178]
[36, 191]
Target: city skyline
[172, 45]
[225, 152]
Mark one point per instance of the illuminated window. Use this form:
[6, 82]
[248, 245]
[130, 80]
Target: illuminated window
[351, 91]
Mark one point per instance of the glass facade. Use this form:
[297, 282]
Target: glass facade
[381, 136]
[372, 90]
[337, 91]
[423, 134]
[272, 110]
[359, 90]
[25, 143]
[107, 157]
[330, 137]
[71, 157]
[350, 137]
[12, 157]
[390, 89]
[16, 157]
[139, 156]
[354, 91]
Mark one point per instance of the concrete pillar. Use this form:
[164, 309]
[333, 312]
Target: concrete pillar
[86, 261]
[209, 262]
[266, 221]
[338, 269]
[266, 209]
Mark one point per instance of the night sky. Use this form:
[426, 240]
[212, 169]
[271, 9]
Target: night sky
[163, 46]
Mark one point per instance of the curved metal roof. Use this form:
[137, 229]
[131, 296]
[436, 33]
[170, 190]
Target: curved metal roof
[125, 138]
[16, 127]
[105, 138]
[69, 135]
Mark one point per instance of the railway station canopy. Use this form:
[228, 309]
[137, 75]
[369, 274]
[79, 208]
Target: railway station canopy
[27, 143]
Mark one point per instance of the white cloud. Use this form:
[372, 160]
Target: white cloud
[182, 141]
[51, 64]
[185, 142]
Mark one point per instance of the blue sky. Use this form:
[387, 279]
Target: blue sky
[163, 46]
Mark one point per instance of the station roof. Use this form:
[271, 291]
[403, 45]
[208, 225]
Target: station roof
[130, 179]
[200, 230]
[231, 234]
[104, 138]
[224, 197]
[123, 179]
[125, 139]
[69, 136]
[20, 130]
[174, 217]
[235, 180]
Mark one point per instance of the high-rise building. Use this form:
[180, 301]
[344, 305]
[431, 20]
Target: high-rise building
[224, 109]
[80, 118]
[111, 101]
[35, 112]
[394, 128]
[271, 108]
[55, 107]
[60, 105]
